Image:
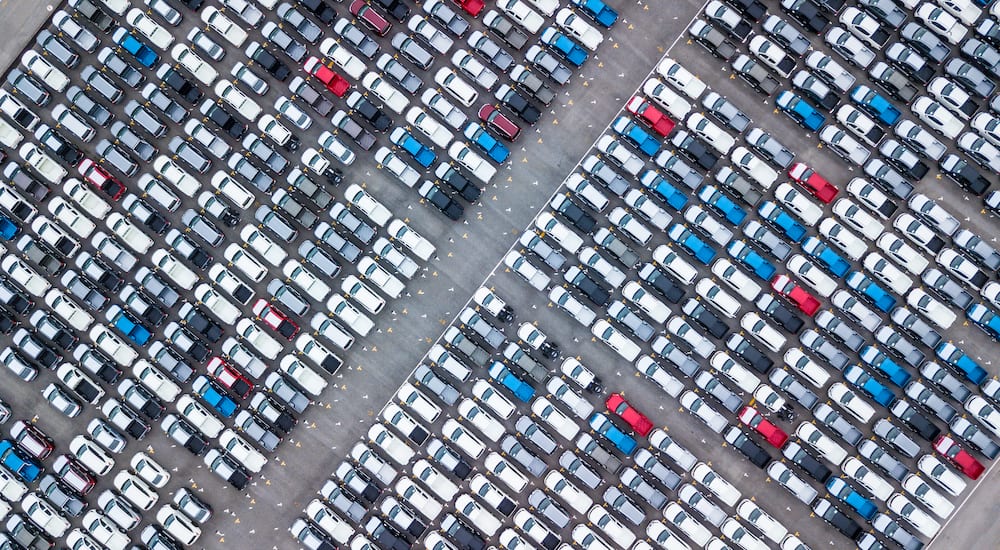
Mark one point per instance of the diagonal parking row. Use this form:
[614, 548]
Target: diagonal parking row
[703, 144]
[177, 282]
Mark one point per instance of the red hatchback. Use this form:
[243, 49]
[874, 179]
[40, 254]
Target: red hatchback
[333, 81]
[471, 7]
[229, 377]
[370, 17]
[948, 448]
[275, 319]
[807, 303]
[650, 115]
[773, 434]
[101, 179]
[640, 423]
[813, 182]
[499, 122]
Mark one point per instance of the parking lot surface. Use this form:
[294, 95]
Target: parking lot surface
[470, 252]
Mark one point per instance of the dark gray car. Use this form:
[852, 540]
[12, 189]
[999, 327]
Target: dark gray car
[548, 64]
[430, 381]
[921, 38]
[490, 50]
[946, 287]
[633, 480]
[125, 136]
[88, 106]
[836, 327]
[28, 87]
[242, 166]
[347, 250]
[412, 51]
[120, 68]
[970, 77]
[271, 158]
[617, 500]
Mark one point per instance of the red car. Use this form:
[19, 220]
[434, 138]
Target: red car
[229, 377]
[499, 122]
[275, 319]
[370, 17]
[640, 423]
[471, 7]
[101, 179]
[815, 183]
[807, 303]
[948, 448]
[333, 81]
[650, 115]
[773, 434]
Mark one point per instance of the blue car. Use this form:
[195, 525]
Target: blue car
[16, 461]
[8, 229]
[621, 440]
[710, 195]
[635, 134]
[521, 389]
[867, 383]
[567, 48]
[489, 144]
[214, 396]
[782, 220]
[600, 12]
[420, 153]
[128, 325]
[818, 250]
[674, 198]
[954, 356]
[695, 246]
[843, 491]
[142, 53]
[741, 252]
[800, 111]
[876, 104]
[984, 318]
[868, 288]
[879, 360]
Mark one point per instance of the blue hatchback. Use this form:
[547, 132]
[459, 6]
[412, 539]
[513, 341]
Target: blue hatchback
[879, 360]
[142, 53]
[567, 48]
[800, 111]
[954, 356]
[621, 440]
[489, 144]
[128, 325]
[985, 318]
[674, 198]
[521, 389]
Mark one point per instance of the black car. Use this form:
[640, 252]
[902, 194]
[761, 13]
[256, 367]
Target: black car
[141, 399]
[220, 116]
[814, 468]
[194, 5]
[200, 322]
[749, 354]
[746, 446]
[265, 59]
[916, 421]
[13, 298]
[176, 82]
[96, 363]
[517, 103]
[693, 309]
[696, 151]
[227, 468]
[93, 14]
[465, 536]
[7, 321]
[461, 184]
[594, 292]
[666, 286]
[136, 427]
[753, 9]
[397, 8]
[807, 13]
[60, 146]
[964, 174]
[323, 11]
[441, 200]
[847, 526]
[385, 536]
[378, 119]
[573, 213]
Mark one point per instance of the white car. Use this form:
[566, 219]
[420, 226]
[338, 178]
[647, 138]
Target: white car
[343, 58]
[640, 203]
[70, 217]
[943, 475]
[177, 525]
[803, 207]
[460, 436]
[877, 486]
[174, 269]
[522, 14]
[91, 455]
[961, 267]
[560, 232]
[667, 98]
[588, 192]
[858, 219]
[42, 163]
[387, 93]
[135, 490]
[482, 420]
[756, 516]
[350, 315]
[256, 337]
[42, 514]
[822, 443]
[216, 304]
[692, 529]
[87, 199]
[578, 28]
[813, 276]
[711, 133]
[104, 531]
[241, 451]
[153, 31]
[698, 407]
[177, 176]
[485, 522]
[560, 423]
[246, 107]
[887, 273]
[41, 68]
[794, 484]
[988, 126]
[260, 243]
[244, 261]
[848, 400]
[985, 413]
[652, 306]
[111, 345]
[928, 496]
[488, 395]
[304, 279]
[431, 35]
[199, 416]
[430, 127]
[223, 25]
[421, 247]
[477, 165]
[35, 284]
[772, 55]
[155, 381]
[809, 369]
[472, 67]
[292, 113]
[621, 344]
[417, 498]
[71, 312]
[941, 22]
[456, 86]
[416, 401]
[303, 375]
[681, 78]
[361, 293]
[392, 162]
[149, 470]
[902, 253]
[674, 264]
[754, 167]
[129, 233]
[202, 71]
[701, 219]
[435, 480]
[505, 472]
[680, 328]
[762, 331]
[937, 116]
[519, 264]
[729, 273]
[600, 517]
[920, 520]
[719, 486]
[574, 307]
[329, 329]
